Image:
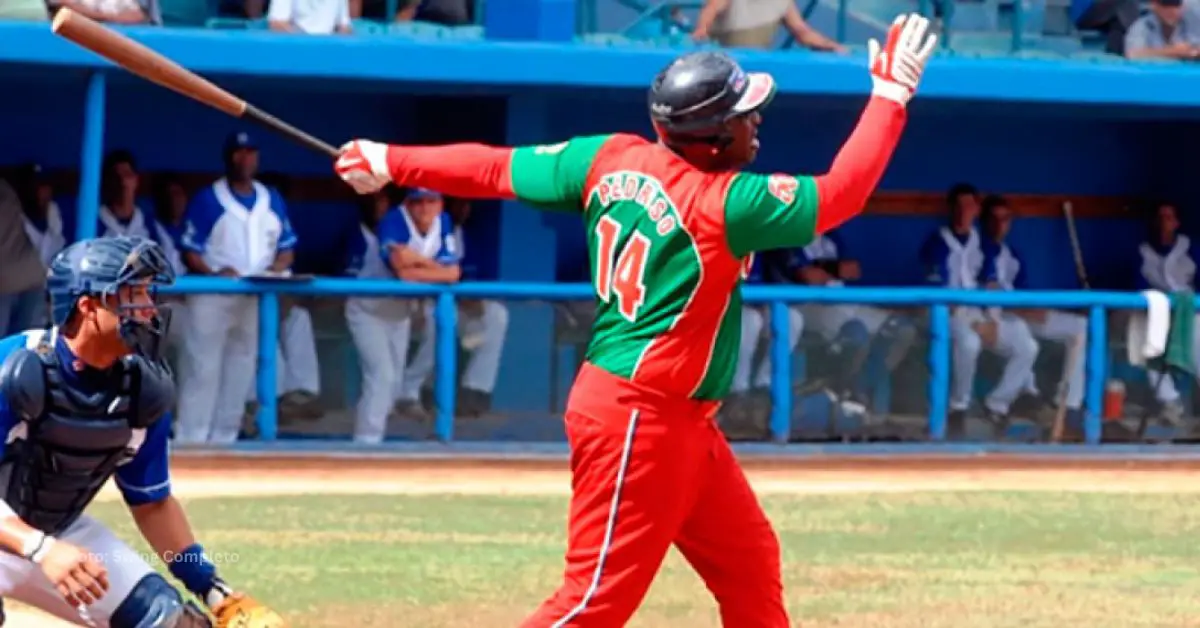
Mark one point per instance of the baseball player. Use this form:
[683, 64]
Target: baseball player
[746, 408]
[670, 225]
[1168, 263]
[417, 241]
[84, 401]
[824, 262]
[120, 215]
[483, 325]
[234, 228]
[380, 328]
[1002, 269]
[43, 219]
[953, 257]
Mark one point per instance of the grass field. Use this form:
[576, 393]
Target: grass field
[915, 558]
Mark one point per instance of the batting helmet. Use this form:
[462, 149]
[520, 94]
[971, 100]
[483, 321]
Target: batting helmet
[694, 97]
[99, 268]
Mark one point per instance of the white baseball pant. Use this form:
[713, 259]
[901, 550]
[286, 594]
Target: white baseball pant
[1166, 391]
[217, 368]
[1066, 328]
[1014, 342]
[296, 367]
[381, 336]
[23, 581]
[483, 336]
[753, 322]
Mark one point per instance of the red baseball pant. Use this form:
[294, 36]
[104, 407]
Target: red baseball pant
[650, 470]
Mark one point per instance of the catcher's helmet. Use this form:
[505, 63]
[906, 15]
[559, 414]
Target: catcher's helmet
[99, 268]
[693, 97]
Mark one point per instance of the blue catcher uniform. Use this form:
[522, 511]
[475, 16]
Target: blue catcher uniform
[71, 427]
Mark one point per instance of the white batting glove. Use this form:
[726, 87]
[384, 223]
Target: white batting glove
[363, 165]
[897, 67]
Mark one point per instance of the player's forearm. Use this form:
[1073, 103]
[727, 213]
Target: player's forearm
[463, 170]
[165, 527]
[424, 274]
[859, 165]
[283, 260]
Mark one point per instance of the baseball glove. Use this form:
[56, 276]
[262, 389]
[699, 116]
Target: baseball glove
[242, 611]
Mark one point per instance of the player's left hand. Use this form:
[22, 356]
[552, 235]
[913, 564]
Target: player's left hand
[242, 611]
[897, 66]
[363, 165]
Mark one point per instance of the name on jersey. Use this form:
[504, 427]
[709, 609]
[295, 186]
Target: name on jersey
[636, 187]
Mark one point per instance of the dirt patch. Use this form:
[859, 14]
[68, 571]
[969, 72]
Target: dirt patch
[196, 476]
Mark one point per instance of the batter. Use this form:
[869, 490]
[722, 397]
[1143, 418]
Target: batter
[672, 225]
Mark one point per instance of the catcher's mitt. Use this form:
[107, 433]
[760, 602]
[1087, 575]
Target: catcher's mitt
[242, 611]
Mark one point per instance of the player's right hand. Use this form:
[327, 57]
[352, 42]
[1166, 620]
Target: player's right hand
[363, 165]
[77, 574]
[896, 68]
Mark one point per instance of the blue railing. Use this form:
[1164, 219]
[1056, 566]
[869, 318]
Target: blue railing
[778, 298]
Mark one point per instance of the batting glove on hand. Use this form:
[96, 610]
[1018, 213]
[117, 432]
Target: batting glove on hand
[363, 164]
[897, 67]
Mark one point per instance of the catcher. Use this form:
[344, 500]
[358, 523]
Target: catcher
[84, 401]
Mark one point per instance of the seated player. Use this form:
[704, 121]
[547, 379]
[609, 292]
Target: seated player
[1003, 270]
[82, 402]
[856, 328]
[953, 257]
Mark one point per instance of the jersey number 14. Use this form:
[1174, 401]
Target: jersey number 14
[622, 278]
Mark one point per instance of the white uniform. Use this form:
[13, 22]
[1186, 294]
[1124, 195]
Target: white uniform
[1169, 270]
[1065, 327]
[381, 329]
[958, 263]
[296, 366]
[219, 363]
[482, 335]
[48, 241]
[828, 320]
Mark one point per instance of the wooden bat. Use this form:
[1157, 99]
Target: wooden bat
[1076, 249]
[152, 66]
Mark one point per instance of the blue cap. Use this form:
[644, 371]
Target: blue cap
[238, 140]
[417, 194]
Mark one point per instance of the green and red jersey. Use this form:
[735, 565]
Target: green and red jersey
[669, 244]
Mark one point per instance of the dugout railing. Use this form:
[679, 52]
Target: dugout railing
[938, 301]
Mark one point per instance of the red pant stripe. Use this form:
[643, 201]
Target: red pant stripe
[610, 526]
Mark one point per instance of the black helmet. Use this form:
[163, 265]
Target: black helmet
[693, 97]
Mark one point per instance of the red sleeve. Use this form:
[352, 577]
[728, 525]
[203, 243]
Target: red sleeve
[843, 191]
[463, 170]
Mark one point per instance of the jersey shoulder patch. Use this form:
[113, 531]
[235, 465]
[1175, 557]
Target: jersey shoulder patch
[783, 187]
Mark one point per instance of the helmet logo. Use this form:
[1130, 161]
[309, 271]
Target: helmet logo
[738, 80]
[661, 109]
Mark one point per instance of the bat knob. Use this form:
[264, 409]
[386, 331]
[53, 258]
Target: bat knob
[60, 18]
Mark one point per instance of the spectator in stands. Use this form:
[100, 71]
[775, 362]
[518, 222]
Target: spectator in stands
[113, 11]
[1003, 270]
[444, 12]
[1166, 32]
[315, 17]
[234, 228]
[746, 408]
[755, 23]
[1168, 263]
[23, 276]
[1112, 18]
[25, 10]
[953, 257]
[380, 327]
[43, 219]
[119, 213]
[855, 329]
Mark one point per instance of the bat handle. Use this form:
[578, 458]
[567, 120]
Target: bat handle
[271, 122]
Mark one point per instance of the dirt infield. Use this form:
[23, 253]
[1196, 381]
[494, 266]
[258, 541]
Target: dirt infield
[222, 475]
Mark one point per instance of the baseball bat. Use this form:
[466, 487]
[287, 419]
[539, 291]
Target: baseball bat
[1076, 249]
[154, 67]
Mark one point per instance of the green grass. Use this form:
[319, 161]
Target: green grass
[966, 560]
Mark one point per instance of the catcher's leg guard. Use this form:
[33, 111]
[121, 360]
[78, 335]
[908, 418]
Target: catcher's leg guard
[154, 603]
